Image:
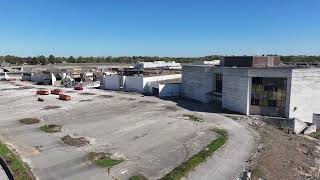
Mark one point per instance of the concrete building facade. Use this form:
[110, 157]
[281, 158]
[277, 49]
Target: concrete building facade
[288, 92]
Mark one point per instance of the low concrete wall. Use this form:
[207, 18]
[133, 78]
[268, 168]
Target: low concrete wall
[167, 90]
[111, 82]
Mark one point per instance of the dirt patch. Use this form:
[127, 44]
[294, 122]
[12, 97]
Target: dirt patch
[51, 107]
[127, 99]
[86, 100]
[147, 102]
[70, 91]
[29, 121]
[105, 96]
[103, 159]
[51, 128]
[75, 141]
[87, 94]
[193, 117]
[170, 108]
[25, 87]
[282, 155]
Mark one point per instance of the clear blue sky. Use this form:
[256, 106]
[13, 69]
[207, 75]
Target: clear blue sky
[159, 27]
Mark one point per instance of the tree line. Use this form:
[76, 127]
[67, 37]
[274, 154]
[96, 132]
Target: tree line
[43, 60]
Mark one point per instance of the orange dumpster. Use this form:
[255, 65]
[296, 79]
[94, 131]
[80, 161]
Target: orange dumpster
[43, 92]
[64, 97]
[56, 91]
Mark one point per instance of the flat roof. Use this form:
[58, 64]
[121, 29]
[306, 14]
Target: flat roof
[171, 81]
[273, 67]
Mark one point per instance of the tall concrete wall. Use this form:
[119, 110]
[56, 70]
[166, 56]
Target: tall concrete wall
[111, 82]
[236, 88]
[305, 94]
[134, 83]
[197, 82]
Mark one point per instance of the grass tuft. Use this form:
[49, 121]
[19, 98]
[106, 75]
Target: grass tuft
[51, 128]
[29, 121]
[102, 159]
[315, 135]
[138, 177]
[258, 173]
[193, 117]
[19, 169]
[186, 167]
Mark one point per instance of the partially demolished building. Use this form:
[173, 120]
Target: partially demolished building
[258, 85]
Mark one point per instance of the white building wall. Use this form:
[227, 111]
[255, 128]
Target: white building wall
[236, 88]
[111, 82]
[305, 94]
[197, 82]
[144, 84]
[134, 83]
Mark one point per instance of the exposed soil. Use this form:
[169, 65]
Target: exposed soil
[86, 100]
[127, 99]
[106, 96]
[282, 155]
[29, 121]
[75, 141]
[170, 108]
[147, 102]
[87, 94]
[51, 107]
[94, 156]
[51, 128]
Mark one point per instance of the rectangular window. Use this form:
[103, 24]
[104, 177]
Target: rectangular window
[269, 93]
[219, 83]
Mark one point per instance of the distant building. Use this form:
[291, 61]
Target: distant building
[159, 85]
[157, 64]
[254, 85]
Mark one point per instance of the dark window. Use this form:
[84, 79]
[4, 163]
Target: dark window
[269, 93]
[272, 103]
[255, 102]
[219, 83]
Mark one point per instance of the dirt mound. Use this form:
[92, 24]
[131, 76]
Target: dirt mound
[282, 155]
[29, 121]
[75, 141]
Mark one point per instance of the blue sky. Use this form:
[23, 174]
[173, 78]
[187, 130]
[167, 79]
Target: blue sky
[159, 28]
